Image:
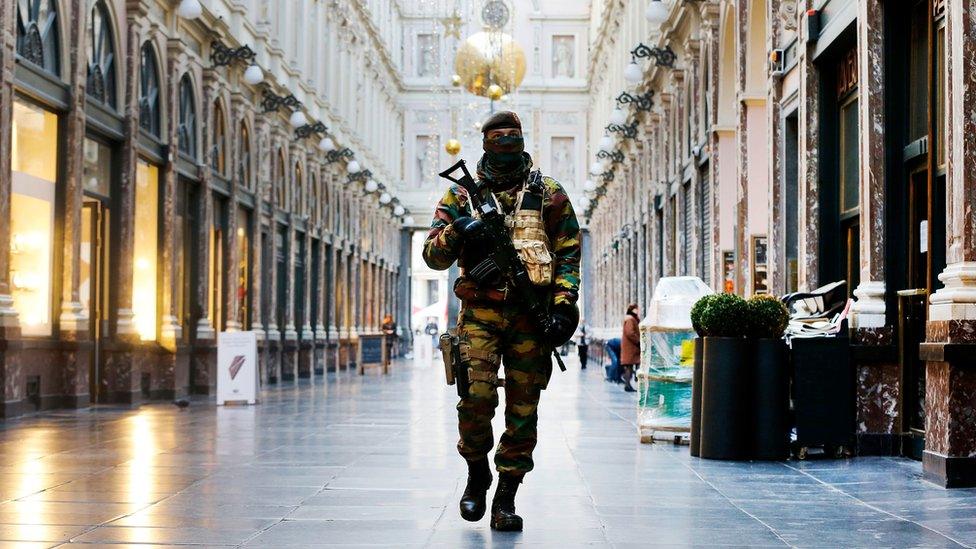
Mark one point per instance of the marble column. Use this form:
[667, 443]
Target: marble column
[950, 351]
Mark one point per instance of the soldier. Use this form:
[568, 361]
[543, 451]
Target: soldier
[491, 326]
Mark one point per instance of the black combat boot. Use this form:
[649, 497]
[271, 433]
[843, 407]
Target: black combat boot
[473, 500]
[503, 515]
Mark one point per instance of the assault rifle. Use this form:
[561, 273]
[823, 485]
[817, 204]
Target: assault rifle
[503, 254]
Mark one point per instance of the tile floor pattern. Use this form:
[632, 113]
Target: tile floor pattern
[352, 461]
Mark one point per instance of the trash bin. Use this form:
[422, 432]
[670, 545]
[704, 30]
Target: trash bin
[664, 381]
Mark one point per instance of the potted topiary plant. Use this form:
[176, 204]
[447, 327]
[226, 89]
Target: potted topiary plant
[697, 311]
[768, 318]
[726, 378]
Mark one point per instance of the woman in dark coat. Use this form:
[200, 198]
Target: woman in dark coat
[630, 346]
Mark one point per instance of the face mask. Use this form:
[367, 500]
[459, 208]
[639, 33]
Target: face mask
[505, 144]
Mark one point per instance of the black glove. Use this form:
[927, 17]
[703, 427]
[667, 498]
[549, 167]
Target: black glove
[469, 228]
[563, 320]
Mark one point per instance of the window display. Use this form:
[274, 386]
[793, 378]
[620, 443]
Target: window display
[34, 157]
[144, 267]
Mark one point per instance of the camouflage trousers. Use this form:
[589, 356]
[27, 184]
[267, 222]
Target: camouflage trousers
[493, 333]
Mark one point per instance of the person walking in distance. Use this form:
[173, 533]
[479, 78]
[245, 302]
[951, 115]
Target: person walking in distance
[630, 347]
[583, 346]
[492, 327]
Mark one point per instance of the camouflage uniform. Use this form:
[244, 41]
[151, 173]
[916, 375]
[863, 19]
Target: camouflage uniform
[493, 327]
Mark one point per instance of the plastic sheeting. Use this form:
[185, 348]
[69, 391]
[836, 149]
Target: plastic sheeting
[667, 356]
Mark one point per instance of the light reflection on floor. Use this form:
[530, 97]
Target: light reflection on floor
[370, 460]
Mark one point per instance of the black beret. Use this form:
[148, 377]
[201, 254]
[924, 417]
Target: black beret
[502, 119]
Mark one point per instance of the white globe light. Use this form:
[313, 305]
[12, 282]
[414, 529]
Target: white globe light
[254, 75]
[409, 220]
[353, 166]
[298, 119]
[618, 116]
[326, 144]
[656, 12]
[190, 9]
[385, 198]
[589, 186]
[585, 203]
[596, 168]
[605, 163]
[606, 143]
[633, 73]
[398, 211]
[372, 185]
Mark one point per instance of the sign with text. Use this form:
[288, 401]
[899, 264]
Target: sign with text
[237, 367]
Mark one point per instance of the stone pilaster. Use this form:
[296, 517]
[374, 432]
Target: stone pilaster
[950, 439]
[869, 308]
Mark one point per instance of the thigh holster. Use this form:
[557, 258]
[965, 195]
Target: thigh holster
[477, 374]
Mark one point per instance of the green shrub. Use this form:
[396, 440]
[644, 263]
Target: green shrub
[725, 315]
[768, 316]
[697, 310]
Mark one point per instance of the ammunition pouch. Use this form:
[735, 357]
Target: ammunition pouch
[475, 374]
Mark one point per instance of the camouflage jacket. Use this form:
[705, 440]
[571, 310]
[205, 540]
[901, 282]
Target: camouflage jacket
[443, 247]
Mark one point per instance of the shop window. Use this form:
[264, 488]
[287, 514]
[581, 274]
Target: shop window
[146, 250]
[186, 132]
[686, 229]
[101, 57]
[37, 34]
[939, 123]
[849, 187]
[705, 222]
[215, 303]
[149, 91]
[218, 153]
[298, 290]
[243, 293]
[34, 158]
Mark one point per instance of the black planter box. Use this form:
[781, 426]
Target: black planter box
[726, 398]
[823, 393]
[771, 400]
[696, 398]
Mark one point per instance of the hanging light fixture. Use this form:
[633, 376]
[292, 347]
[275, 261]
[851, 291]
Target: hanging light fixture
[596, 168]
[589, 186]
[353, 167]
[190, 9]
[399, 210]
[585, 203]
[253, 75]
[326, 144]
[372, 185]
[409, 220]
[298, 119]
[618, 116]
[633, 73]
[606, 143]
[385, 198]
[656, 13]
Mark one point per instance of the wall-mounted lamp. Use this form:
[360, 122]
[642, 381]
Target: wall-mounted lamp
[629, 131]
[335, 156]
[302, 132]
[643, 102]
[358, 175]
[615, 156]
[663, 57]
[271, 102]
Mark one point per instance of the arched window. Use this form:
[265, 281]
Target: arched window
[282, 179]
[149, 116]
[101, 56]
[244, 160]
[37, 34]
[299, 183]
[218, 154]
[186, 132]
[316, 208]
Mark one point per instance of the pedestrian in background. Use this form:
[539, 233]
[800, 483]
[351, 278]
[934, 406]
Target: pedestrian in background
[630, 347]
[582, 346]
[612, 347]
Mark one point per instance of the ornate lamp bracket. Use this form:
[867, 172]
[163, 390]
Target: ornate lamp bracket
[663, 57]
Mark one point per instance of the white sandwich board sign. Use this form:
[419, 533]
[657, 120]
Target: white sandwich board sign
[237, 367]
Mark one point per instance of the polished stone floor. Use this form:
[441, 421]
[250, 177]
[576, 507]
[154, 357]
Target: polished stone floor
[352, 461]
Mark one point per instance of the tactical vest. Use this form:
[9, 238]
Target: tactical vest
[528, 230]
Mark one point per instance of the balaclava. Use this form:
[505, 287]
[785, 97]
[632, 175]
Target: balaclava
[505, 161]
